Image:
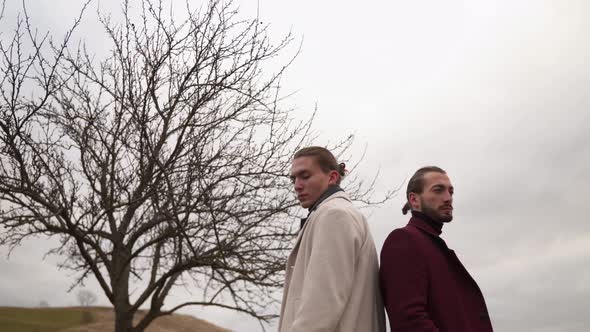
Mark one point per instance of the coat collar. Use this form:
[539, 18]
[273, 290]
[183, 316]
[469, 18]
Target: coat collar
[424, 225]
[336, 195]
[329, 192]
[429, 229]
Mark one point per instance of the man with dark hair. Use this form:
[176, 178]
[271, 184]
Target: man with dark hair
[424, 285]
[332, 281]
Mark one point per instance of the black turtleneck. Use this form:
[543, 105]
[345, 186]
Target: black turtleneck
[436, 225]
[329, 192]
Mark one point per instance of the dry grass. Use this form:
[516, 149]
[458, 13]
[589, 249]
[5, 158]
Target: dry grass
[102, 321]
[13, 319]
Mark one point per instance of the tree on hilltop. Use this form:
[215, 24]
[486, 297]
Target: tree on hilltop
[162, 164]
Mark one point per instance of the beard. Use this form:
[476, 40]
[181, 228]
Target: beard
[434, 214]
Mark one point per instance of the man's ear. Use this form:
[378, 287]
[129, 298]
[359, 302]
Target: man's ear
[414, 201]
[334, 176]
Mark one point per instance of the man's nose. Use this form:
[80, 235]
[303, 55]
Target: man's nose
[448, 196]
[298, 185]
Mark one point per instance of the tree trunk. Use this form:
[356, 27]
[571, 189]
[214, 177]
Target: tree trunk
[120, 285]
[123, 320]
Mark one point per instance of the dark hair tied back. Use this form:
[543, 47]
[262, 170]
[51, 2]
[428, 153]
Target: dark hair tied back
[342, 169]
[406, 208]
[324, 158]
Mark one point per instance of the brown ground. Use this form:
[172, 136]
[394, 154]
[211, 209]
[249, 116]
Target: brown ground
[104, 322]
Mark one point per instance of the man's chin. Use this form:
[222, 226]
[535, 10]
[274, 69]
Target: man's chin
[442, 218]
[304, 205]
[446, 219]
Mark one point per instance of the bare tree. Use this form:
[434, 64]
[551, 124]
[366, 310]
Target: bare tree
[163, 164]
[86, 298]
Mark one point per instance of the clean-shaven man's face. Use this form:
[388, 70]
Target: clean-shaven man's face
[309, 180]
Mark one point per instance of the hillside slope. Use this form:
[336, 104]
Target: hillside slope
[74, 319]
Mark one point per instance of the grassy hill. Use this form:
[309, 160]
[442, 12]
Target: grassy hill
[92, 319]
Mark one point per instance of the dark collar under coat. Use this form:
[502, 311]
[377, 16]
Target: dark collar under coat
[329, 192]
[429, 226]
[425, 223]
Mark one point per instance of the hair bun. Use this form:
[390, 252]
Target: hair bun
[406, 208]
[342, 168]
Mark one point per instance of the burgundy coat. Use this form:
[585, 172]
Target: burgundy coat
[424, 285]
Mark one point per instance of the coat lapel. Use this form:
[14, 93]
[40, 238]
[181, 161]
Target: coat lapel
[310, 219]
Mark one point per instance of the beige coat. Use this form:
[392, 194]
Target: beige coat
[332, 274]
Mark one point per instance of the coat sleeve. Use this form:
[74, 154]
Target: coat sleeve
[404, 284]
[329, 272]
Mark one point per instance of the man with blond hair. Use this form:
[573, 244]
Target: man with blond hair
[332, 272]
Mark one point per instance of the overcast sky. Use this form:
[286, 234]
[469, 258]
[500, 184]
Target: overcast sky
[495, 92]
